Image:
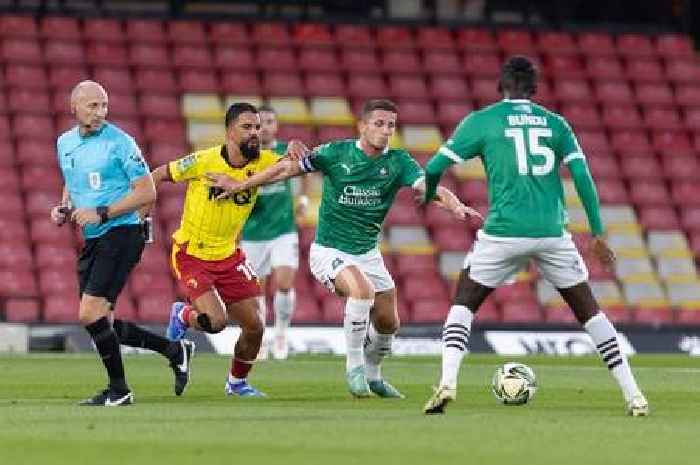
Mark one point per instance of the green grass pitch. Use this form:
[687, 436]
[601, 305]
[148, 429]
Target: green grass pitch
[577, 416]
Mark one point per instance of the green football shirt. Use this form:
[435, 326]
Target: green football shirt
[522, 145]
[273, 213]
[358, 191]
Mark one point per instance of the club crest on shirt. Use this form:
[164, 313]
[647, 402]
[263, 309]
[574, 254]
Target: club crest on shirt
[186, 162]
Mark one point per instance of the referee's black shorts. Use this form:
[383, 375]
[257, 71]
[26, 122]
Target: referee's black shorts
[106, 261]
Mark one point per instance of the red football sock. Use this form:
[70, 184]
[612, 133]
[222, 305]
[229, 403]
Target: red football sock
[240, 368]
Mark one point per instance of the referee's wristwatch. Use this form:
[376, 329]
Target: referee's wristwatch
[103, 213]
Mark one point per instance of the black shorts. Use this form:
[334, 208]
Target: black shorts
[106, 261]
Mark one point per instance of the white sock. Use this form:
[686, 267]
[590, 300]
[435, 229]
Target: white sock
[455, 337]
[262, 309]
[605, 338]
[377, 346]
[355, 327]
[284, 308]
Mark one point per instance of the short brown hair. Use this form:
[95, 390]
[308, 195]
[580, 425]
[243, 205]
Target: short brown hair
[378, 104]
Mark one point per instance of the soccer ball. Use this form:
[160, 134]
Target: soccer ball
[514, 384]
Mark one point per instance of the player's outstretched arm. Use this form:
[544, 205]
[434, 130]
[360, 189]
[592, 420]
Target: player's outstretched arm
[585, 188]
[433, 172]
[282, 170]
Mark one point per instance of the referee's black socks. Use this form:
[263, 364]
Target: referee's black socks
[107, 344]
[131, 335]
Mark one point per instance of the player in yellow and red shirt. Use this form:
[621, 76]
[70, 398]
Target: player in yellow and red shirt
[206, 260]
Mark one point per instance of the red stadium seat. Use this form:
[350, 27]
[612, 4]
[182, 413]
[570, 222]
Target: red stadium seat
[19, 26]
[416, 112]
[683, 71]
[233, 58]
[424, 287]
[482, 64]
[635, 45]
[143, 30]
[228, 33]
[282, 84]
[649, 193]
[672, 143]
[15, 256]
[192, 56]
[43, 231]
[158, 105]
[324, 85]
[366, 86]
[65, 77]
[104, 29]
[485, 91]
[59, 27]
[21, 51]
[61, 308]
[653, 316]
[154, 259]
[19, 310]
[415, 265]
[674, 45]
[408, 87]
[572, 90]
[594, 141]
[144, 283]
[17, 283]
[636, 168]
[40, 202]
[332, 308]
[125, 309]
[677, 168]
[428, 311]
[448, 87]
[298, 131]
[276, 59]
[271, 33]
[25, 76]
[488, 313]
[34, 125]
[612, 191]
[662, 118]
[690, 219]
[654, 94]
[9, 183]
[328, 133]
[190, 32]
[596, 43]
[240, 83]
[515, 41]
[581, 115]
[395, 37]
[612, 92]
[631, 142]
[359, 60]
[559, 314]
[603, 67]
[64, 52]
[318, 60]
[432, 38]
[198, 80]
[164, 130]
[658, 218]
[57, 281]
[695, 243]
[34, 151]
[521, 313]
[476, 39]
[563, 66]
[307, 310]
[685, 192]
[114, 79]
[314, 34]
[520, 292]
[149, 55]
[28, 101]
[560, 43]
[13, 231]
[155, 80]
[354, 36]
[691, 119]
[688, 317]
[107, 54]
[441, 62]
[645, 70]
[400, 61]
[603, 166]
[121, 104]
[164, 152]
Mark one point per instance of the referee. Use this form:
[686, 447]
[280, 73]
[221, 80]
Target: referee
[106, 182]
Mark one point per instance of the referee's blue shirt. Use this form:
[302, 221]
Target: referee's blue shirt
[98, 169]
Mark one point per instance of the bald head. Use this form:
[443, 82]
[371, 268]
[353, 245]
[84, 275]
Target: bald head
[88, 102]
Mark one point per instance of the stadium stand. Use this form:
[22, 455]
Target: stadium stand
[633, 99]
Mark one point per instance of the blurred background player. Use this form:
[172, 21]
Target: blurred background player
[220, 283]
[360, 180]
[106, 182]
[271, 242]
[522, 145]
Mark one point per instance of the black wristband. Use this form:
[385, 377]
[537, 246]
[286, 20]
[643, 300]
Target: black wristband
[103, 213]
